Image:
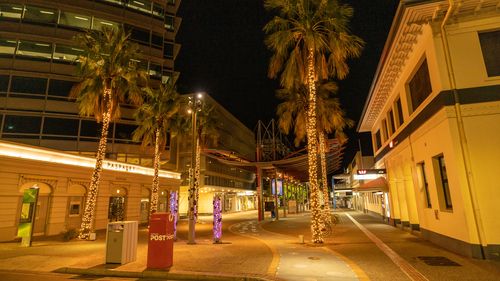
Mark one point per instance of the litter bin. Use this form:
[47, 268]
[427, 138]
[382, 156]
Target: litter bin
[121, 242]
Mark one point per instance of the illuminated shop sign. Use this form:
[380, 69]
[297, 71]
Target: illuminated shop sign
[369, 174]
[51, 156]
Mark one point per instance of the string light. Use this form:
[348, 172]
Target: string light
[312, 152]
[87, 225]
[217, 224]
[197, 176]
[156, 183]
[322, 152]
[174, 209]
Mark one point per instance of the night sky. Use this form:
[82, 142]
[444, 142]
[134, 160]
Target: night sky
[223, 54]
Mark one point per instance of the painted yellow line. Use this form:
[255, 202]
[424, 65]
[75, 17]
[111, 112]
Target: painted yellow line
[360, 273]
[272, 269]
[409, 270]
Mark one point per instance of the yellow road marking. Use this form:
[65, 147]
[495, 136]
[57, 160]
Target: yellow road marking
[409, 270]
[354, 267]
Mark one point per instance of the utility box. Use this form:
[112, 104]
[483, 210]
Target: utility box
[121, 242]
[161, 241]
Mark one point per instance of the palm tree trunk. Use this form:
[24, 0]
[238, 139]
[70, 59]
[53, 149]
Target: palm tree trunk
[312, 151]
[156, 183]
[322, 152]
[197, 176]
[87, 225]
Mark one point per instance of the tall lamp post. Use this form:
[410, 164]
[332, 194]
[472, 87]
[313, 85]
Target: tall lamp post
[194, 103]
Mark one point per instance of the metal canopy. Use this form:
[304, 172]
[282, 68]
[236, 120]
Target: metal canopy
[295, 164]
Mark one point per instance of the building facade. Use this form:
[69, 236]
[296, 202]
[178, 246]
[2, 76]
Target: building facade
[61, 181]
[434, 113]
[235, 184]
[38, 69]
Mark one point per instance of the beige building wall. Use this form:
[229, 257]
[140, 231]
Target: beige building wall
[59, 182]
[466, 134]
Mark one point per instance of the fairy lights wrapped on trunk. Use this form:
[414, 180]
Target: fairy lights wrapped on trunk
[173, 207]
[217, 225]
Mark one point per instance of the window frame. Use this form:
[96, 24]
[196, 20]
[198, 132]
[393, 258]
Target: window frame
[441, 176]
[424, 183]
[490, 53]
[419, 86]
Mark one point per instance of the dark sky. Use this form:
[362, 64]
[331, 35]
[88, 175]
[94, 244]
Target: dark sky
[223, 54]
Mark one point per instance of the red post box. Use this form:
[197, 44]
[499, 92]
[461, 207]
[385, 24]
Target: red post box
[161, 241]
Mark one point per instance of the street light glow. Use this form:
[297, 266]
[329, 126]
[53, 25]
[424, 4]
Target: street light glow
[199, 95]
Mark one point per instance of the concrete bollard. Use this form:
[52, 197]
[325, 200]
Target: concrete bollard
[301, 239]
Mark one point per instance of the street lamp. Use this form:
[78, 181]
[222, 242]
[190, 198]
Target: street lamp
[195, 104]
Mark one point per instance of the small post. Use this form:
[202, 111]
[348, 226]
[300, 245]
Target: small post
[217, 224]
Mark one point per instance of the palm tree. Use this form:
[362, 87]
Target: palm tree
[155, 120]
[207, 131]
[310, 41]
[330, 119]
[109, 77]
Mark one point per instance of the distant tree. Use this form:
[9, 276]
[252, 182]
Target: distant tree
[109, 77]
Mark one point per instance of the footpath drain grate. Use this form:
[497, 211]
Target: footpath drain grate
[438, 261]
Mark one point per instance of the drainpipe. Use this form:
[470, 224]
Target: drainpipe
[461, 131]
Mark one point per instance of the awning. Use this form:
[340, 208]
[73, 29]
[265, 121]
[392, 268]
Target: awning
[378, 184]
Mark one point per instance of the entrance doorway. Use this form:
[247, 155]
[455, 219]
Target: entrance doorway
[116, 211]
[34, 210]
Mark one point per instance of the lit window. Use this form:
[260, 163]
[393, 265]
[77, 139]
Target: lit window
[140, 5]
[40, 15]
[169, 22]
[75, 20]
[7, 47]
[35, 50]
[66, 54]
[98, 24]
[155, 71]
[11, 11]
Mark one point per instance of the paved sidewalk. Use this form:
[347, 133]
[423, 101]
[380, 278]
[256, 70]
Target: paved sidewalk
[204, 259]
[360, 252]
[298, 261]
[269, 250]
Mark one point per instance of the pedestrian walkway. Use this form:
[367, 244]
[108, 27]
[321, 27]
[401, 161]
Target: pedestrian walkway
[361, 248]
[297, 261]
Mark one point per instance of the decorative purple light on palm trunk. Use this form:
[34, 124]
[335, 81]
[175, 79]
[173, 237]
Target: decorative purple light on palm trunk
[173, 209]
[217, 220]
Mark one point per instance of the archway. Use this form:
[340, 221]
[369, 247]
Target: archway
[116, 207]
